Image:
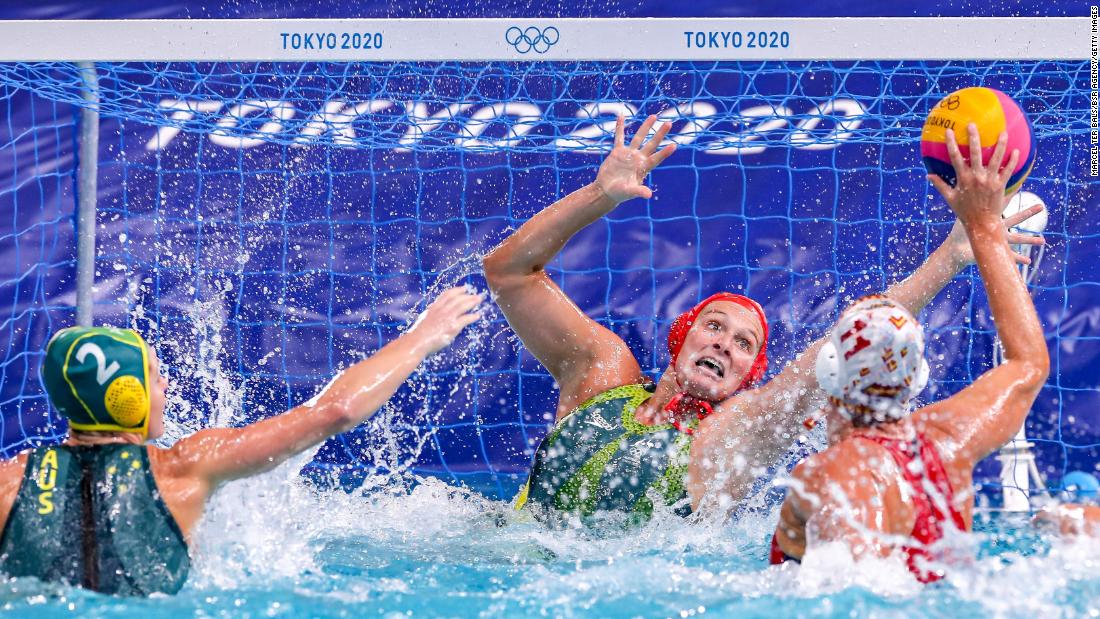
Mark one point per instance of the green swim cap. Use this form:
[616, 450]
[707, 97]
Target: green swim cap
[98, 378]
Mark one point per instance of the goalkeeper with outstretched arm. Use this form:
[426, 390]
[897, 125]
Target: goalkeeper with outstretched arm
[699, 437]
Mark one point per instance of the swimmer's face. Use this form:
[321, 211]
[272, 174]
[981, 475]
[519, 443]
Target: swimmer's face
[157, 388]
[719, 350]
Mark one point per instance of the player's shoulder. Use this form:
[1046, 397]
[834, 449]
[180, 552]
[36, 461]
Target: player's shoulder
[11, 480]
[16, 462]
[851, 461]
[856, 468]
[815, 479]
[837, 462]
[11, 469]
[186, 455]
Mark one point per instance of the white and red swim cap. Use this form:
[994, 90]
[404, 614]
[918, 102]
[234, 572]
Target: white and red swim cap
[873, 364]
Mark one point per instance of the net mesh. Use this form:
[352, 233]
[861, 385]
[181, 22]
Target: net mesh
[266, 224]
[37, 256]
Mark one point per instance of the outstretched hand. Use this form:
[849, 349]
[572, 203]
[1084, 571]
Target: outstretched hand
[979, 189]
[621, 174]
[446, 316]
[963, 254]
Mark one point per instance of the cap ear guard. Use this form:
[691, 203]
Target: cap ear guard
[827, 369]
[677, 333]
[98, 379]
[920, 381]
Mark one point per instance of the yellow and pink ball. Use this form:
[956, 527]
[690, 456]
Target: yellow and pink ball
[993, 112]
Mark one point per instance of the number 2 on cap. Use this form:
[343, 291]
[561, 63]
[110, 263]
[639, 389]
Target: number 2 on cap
[102, 371]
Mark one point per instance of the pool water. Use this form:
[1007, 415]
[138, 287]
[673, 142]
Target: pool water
[275, 547]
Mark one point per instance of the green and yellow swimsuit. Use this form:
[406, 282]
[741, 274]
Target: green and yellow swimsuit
[601, 459]
[92, 516]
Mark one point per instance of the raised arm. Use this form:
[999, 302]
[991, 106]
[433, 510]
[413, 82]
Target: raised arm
[583, 357]
[795, 388]
[734, 449]
[221, 454]
[984, 416]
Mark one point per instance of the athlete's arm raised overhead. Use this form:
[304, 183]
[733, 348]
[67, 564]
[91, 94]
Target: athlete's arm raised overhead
[771, 416]
[984, 416]
[583, 357]
[222, 454]
[867, 473]
[795, 388]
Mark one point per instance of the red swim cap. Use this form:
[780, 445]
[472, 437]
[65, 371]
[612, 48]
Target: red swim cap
[677, 333]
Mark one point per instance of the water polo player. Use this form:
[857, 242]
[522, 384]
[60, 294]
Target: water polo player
[109, 513]
[1079, 515]
[1071, 519]
[619, 443]
[893, 481]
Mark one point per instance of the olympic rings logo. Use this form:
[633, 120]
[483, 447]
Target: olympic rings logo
[531, 38]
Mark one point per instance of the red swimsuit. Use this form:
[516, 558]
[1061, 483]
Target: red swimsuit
[932, 509]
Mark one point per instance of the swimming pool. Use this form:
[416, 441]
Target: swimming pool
[261, 268]
[268, 548]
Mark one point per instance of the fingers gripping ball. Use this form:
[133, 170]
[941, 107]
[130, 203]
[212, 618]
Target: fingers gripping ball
[993, 112]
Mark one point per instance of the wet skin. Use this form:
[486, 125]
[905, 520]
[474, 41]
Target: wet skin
[853, 491]
[750, 429]
[1071, 519]
[188, 472]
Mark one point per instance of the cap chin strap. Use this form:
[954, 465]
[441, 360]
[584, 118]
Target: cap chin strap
[684, 405]
[827, 369]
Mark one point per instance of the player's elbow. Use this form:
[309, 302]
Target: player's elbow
[338, 416]
[502, 272]
[1033, 369]
[1038, 363]
[493, 266]
[1038, 368]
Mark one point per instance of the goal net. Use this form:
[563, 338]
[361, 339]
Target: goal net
[265, 224]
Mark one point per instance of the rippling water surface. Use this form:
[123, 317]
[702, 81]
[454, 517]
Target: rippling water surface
[272, 547]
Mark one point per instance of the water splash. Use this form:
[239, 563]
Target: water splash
[272, 545]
